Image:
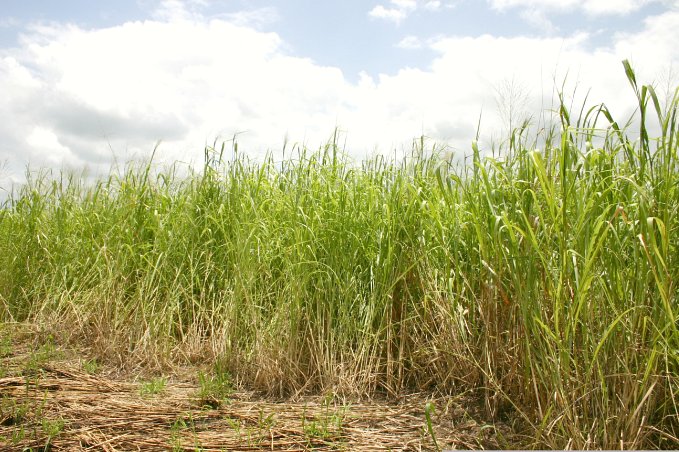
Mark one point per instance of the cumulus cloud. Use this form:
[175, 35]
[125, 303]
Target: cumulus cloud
[396, 12]
[81, 97]
[78, 95]
[48, 142]
[392, 14]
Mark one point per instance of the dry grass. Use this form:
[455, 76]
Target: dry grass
[51, 401]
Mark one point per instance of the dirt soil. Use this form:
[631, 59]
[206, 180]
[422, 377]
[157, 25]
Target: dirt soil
[48, 401]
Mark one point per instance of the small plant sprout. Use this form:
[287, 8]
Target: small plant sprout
[429, 410]
[153, 387]
[215, 386]
[91, 366]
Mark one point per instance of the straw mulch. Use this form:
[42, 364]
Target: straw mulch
[98, 412]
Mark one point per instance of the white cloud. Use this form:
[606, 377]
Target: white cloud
[433, 5]
[538, 19]
[181, 80]
[71, 95]
[590, 7]
[392, 14]
[48, 143]
[406, 5]
[541, 4]
[655, 46]
[254, 18]
[614, 7]
[410, 42]
[397, 12]
[178, 9]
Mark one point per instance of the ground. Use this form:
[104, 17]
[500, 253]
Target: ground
[54, 398]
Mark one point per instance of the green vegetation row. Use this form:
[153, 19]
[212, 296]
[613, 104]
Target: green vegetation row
[545, 280]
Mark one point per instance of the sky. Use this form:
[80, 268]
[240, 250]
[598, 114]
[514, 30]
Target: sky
[87, 84]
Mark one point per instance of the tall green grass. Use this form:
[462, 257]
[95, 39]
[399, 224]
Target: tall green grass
[546, 280]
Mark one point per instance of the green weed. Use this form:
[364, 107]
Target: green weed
[91, 366]
[325, 426]
[5, 345]
[153, 387]
[52, 428]
[12, 412]
[179, 428]
[39, 358]
[215, 386]
[5, 350]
